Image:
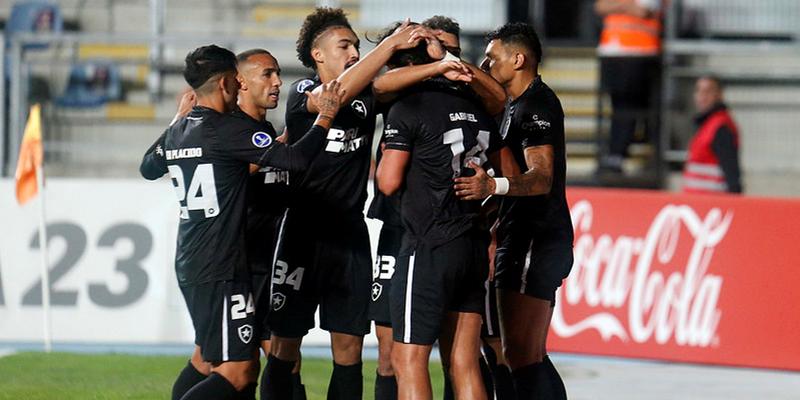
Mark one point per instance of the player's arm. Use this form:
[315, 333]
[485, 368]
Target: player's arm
[154, 164]
[387, 86]
[492, 94]
[391, 170]
[537, 180]
[356, 78]
[248, 146]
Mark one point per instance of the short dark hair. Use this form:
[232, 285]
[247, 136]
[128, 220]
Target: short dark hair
[243, 56]
[205, 62]
[315, 24]
[414, 56]
[446, 24]
[521, 34]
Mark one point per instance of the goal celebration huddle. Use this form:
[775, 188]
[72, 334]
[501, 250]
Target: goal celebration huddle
[469, 185]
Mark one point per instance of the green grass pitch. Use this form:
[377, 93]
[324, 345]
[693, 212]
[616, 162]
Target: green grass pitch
[33, 376]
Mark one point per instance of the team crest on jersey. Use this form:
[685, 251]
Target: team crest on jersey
[360, 108]
[304, 84]
[261, 139]
[278, 301]
[246, 333]
[377, 289]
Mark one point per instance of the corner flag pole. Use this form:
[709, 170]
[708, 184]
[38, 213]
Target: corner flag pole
[43, 245]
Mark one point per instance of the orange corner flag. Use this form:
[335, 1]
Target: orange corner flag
[31, 155]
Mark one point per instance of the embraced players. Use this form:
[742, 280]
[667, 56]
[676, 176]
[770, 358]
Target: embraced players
[207, 155]
[534, 231]
[324, 253]
[437, 292]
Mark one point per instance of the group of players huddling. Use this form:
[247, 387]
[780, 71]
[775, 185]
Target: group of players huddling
[272, 227]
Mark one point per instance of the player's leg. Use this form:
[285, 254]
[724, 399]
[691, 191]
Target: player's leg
[385, 382]
[526, 306]
[195, 371]
[347, 381]
[461, 343]
[502, 385]
[277, 377]
[413, 379]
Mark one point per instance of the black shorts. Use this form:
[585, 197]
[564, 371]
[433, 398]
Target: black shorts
[261, 255]
[261, 291]
[330, 268]
[491, 319]
[223, 315]
[534, 270]
[432, 281]
[382, 271]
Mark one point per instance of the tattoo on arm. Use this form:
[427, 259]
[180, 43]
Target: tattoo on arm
[539, 177]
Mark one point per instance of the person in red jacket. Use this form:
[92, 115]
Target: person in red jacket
[712, 161]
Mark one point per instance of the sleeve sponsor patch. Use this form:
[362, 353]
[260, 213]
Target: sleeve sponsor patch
[261, 139]
[304, 84]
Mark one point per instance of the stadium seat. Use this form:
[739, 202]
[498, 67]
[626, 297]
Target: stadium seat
[34, 17]
[92, 84]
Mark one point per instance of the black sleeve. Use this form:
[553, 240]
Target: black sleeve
[251, 145]
[725, 149]
[297, 108]
[154, 164]
[399, 134]
[495, 140]
[535, 125]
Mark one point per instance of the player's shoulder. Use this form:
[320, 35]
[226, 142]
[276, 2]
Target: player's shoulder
[540, 99]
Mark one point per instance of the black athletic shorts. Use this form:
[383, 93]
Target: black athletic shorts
[223, 315]
[330, 267]
[382, 272]
[432, 281]
[261, 291]
[531, 269]
[491, 320]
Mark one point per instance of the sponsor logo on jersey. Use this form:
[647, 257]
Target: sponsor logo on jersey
[536, 122]
[360, 108]
[261, 139]
[462, 116]
[304, 84]
[245, 333]
[191, 152]
[341, 141]
[377, 289]
[278, 301]
[274, 175]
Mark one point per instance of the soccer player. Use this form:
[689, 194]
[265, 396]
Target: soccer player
[207, 155]
[534, 233]
[324, 254]
[438, 289]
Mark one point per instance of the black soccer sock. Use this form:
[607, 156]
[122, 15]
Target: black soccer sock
[503, 383]
[215, 387]
[555, 379]
[448, 385]
[534, 382]
[385, 387]
[347, 382]
[298, 389]
[188, 377]
[486, 375]
[249, 392]
[276, 381]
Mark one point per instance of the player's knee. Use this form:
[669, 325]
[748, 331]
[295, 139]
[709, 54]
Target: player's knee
[520, 353]
[238, 373]
[461, 364]
[347, 349]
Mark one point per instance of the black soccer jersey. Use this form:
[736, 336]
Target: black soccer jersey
[207, 155]
[533, 119]
[383, 207]
[444, 130]
[267, 197]
[335, 185]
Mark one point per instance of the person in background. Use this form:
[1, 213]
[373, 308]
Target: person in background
[629, 51]
[712, 161]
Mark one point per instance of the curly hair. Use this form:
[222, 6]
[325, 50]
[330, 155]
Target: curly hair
[446, 24]
[520, 34]
[315, 24]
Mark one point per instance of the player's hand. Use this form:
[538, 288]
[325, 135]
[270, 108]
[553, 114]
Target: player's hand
[401, 38]
[186, 102]
[328, 99]
[476, 187]
[434, 46]
[454, 71]
[284, 137]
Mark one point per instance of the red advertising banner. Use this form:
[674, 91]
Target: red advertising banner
[691, 278]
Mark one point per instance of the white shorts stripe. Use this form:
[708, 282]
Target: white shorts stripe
[278, 242]
[409, 286]
[524, 278]
[488, 314]
[225, 328]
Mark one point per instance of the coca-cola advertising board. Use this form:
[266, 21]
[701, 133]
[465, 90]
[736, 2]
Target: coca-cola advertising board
[692, 278]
